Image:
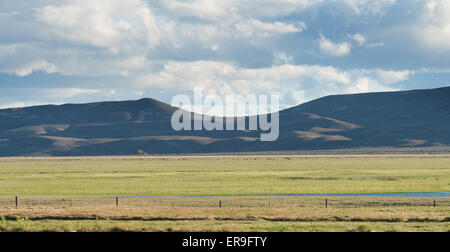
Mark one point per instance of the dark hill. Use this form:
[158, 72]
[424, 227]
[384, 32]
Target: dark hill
[414, 119]
[410, 118]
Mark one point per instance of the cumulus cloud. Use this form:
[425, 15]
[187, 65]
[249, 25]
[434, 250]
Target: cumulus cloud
[362, 85]
[334, 49]
[367, 85]
[434, 25]
[301, 82]
[212, 75]
[126, 49]
[391, 77]
[102, 23]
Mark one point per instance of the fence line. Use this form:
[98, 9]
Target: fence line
[244, 202]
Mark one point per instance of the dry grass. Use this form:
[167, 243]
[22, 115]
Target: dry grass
[237, 213]
[167, 219]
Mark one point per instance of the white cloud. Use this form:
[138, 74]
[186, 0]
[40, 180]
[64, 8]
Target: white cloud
[211, 75]
[139, 93]
[373, 45]
[29, 68]
[25, 59]
[225, 11]
[391, 77]
[329, 74]
[199, 8]
[358, 38]
[300, 82]
[20, 104]
[361, 40]
[227, 47]
[213, 36]
[365, 7]
[334, 49]
[253, 27]
[101, 23]
[281, 58]
[8, 14]
[273, 8]
[245, 21]
[362, 85]
[434, 29]
[366, 85]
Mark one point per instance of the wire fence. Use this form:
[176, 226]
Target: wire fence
[235, 202]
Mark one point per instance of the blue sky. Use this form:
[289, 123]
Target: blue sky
[74, 51]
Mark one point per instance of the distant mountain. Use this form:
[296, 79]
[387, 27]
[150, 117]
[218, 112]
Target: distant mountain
[411, 119]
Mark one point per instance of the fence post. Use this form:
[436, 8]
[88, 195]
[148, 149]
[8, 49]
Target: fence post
[17, 202]
[326, 203]
[269, 204]
[220, 204]
[434, 204]
[117, 201]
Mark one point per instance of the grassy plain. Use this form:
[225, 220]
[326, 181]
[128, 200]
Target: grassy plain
[70, 178]
[122, 176]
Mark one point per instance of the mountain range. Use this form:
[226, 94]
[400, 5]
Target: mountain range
[417, 119]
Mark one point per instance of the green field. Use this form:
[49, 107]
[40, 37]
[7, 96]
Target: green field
[223, 175]
[60, 194]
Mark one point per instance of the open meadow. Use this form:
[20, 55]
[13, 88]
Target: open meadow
[79, 194]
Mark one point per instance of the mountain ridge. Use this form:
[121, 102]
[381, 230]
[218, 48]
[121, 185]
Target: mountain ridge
[404, 119]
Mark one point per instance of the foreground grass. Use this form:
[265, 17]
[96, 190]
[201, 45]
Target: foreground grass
[418, 219]
[121, 176]
[64, 180]
[228, 226]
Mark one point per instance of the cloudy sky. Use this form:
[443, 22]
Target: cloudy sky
[60, 51]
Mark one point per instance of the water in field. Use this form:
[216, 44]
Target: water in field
[412, 194]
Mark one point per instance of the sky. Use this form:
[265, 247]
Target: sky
[77, 51]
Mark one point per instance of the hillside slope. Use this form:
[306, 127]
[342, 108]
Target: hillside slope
[413, 119]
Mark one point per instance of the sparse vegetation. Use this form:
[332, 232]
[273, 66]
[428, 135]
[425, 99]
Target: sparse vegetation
[20, 224]
[361, 229]
[140, 152]
[61, 179]
[167, 219]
